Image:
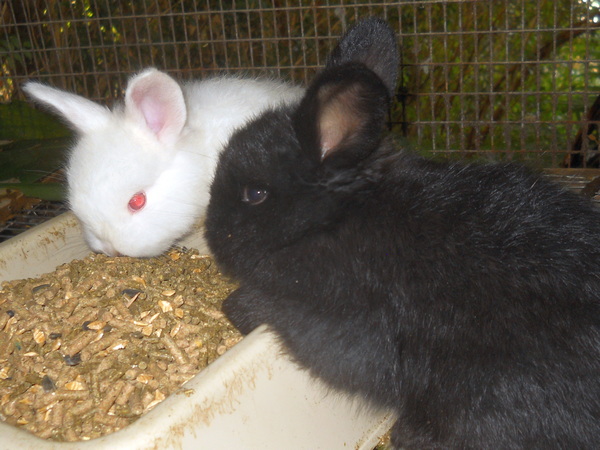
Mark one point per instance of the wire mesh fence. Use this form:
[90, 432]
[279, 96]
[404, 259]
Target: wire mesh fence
[501, 79]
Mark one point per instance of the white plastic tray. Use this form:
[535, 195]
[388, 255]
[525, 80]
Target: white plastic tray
[252, 397]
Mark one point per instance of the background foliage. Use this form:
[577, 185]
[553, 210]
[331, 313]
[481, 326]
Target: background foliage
[502, 79]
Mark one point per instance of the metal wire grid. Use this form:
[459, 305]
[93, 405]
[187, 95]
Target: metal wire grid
[36, 215]
[499, 78]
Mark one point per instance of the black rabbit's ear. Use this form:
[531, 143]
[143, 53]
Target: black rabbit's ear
[373, 43]
[342, 115]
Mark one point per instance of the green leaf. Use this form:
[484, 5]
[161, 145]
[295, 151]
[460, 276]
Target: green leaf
[31, 160]
[45, 191]
[20, 120]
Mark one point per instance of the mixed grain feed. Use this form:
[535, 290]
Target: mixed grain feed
[88, 349]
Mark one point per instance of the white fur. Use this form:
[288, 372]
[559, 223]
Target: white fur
[165, 141]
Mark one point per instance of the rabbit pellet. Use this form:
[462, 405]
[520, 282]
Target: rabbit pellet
[89, 348]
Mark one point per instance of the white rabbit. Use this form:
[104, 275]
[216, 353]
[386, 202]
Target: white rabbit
[138, 176]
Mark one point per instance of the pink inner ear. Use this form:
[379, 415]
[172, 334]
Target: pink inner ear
[153, 112]
[331, 135]
[338, 123]
[158, 100]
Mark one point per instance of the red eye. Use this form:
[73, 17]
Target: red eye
[137, 201]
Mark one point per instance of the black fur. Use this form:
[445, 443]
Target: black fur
[374, 44]
[465, 297]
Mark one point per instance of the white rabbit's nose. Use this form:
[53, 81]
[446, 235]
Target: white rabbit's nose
[112, 253]
[108, 249]
[103, 247]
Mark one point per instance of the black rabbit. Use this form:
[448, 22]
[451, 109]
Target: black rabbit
[464, 296]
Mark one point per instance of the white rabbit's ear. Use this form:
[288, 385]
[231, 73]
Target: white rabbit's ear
[155, 100]
[82, 114]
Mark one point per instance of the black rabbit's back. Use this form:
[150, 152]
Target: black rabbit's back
[505, 267]
[486, 280]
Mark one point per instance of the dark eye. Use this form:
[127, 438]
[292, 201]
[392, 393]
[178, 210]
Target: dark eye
[254, 195]
[137, 202]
